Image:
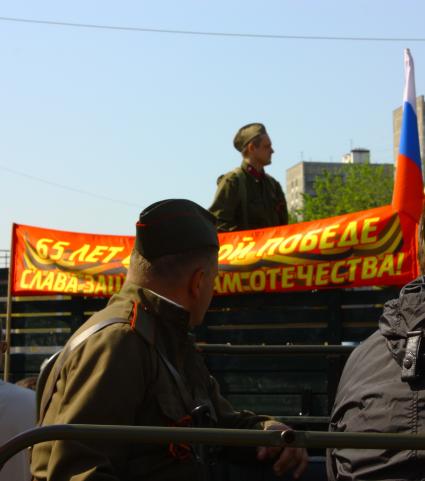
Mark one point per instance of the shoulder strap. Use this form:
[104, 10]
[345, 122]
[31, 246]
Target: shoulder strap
[243, 194]
[187, 399]
[143, 321]
[244, 199]
[60, 360]
[72, 344]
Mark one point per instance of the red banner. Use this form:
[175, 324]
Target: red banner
[372, 247]
[49, 261]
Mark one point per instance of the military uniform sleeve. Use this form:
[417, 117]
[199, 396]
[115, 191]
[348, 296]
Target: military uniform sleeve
[103, 383]
[226, 203]
[282, 206]
[231, 419]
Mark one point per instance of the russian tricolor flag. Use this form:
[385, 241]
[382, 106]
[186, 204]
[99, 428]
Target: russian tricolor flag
[408, 187]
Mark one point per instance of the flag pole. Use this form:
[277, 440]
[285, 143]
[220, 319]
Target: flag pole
[6, 371]
[408, 192]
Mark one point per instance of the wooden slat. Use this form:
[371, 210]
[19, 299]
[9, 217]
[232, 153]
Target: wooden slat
[279, 405]
[299, 364]
[361, 315]
[38, 350]
[48, 322]
[264, 336]
[40, 304]
[57, 339]
[233, 382]
[266, 316]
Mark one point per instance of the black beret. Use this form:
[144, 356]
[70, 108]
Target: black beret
[172, 226]
[247, 133]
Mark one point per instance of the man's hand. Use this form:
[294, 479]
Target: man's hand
[295, 459]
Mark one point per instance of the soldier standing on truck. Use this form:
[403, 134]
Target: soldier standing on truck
[247, 197]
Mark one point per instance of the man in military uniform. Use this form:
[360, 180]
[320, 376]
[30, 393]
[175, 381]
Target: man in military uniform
[134, 363]
[247, 197]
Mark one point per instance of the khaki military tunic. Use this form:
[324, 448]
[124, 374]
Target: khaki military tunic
[118, 377]
[247, 201]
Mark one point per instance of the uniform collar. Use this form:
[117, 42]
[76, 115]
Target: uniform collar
[158, 305]
[152, 311]
[166, 309]
[253, 171]
[167, 324]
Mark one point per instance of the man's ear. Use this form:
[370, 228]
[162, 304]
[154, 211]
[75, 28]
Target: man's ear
[250, 147]
[196, 282]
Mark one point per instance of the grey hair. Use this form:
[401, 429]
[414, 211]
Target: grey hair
[169, 269]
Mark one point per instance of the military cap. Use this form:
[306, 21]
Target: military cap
[247, 133]
[173, 226]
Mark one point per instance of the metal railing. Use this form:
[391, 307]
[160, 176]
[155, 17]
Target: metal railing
[210, 436]
[274, 350]
[4, 258]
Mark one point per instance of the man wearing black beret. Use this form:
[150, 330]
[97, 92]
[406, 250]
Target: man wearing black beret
[247, 197]
[134, 363]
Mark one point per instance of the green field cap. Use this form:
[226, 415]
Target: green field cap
[173, 226]
[247, 133]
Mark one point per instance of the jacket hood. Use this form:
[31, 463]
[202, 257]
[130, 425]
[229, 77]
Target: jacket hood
[402, 315]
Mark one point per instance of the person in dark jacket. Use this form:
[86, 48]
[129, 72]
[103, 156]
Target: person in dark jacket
[382, 389]
[247, 197]
[135, 363]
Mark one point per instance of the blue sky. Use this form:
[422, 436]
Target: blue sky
[138, 117]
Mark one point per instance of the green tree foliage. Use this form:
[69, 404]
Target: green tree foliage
[354, 187]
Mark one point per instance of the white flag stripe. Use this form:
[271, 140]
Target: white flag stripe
[409, 80]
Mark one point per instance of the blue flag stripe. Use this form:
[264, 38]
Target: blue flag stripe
[409, 138]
